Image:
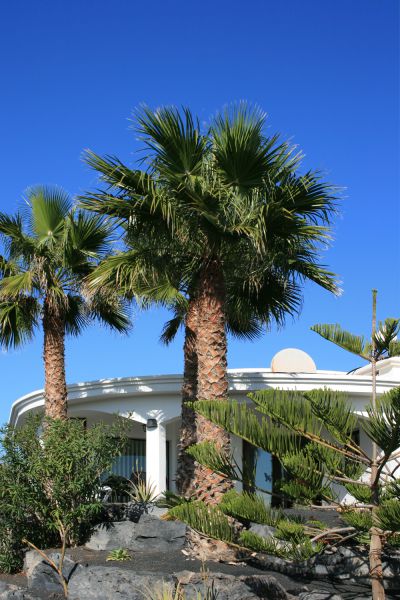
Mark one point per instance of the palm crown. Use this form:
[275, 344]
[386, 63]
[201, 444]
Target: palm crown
[227, 221]
[210, 192]
[50, 250]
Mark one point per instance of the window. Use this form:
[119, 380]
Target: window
[261, 470]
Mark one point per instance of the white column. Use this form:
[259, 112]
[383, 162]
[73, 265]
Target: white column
[156, 460]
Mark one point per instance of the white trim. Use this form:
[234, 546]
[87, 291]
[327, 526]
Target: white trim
[241, 381]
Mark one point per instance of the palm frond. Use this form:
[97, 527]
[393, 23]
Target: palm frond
[76, 315]
[110, 309]
[16, 240]
[88, 236]
[14, 285]
[49, 207]
[136, 194]
[176, 146]
[18, 321]
[172, 326]
[244, 157]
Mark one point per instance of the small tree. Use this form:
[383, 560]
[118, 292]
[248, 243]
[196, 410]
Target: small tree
[49, 485]
[312, 433]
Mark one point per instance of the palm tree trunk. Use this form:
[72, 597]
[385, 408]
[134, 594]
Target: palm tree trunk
[55, 388]
[212, 377]
[185, 470]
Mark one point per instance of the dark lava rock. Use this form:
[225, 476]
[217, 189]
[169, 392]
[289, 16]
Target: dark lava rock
[320, 596]
[154, 534]
[110, 536]
[42, 577]
[13, 592]
[229, 587]
[106, 583]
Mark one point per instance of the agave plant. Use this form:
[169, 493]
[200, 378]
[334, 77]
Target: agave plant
[142, 493]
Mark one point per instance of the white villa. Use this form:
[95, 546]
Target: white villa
[153, 405]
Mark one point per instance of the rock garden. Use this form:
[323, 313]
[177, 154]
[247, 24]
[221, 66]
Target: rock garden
[128, 560]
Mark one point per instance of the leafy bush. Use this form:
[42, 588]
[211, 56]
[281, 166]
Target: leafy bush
[49, 483]
[119, 487]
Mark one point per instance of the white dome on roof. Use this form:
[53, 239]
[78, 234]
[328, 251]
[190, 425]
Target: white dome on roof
[292, 360]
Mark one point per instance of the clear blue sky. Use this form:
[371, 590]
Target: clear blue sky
[326, 72]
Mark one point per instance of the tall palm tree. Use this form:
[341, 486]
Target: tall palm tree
[50, 250]
[248, 313]
[227, 198]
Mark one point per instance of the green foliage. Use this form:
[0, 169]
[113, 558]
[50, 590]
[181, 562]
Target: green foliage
[288, 530]
[394, 540]
[360, 520]
[206, 519]
[207, 453]
[119, 486]
[389, 515]
[249, 507]
[360, 491]
[290, 550]
[334, 333]
[316, 524]
[385, 339]
[119, 554]
[383, 425]
[169, 499]
[239, 419]
[256, 542]
[49, 483]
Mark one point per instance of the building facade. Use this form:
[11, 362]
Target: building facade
[153, 405]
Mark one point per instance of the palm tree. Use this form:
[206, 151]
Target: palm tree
[51, 249]
[227, 198]
[248, 314]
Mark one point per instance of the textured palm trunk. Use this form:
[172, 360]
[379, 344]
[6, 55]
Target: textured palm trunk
[212, 377]
[188, 436]
[55, 389]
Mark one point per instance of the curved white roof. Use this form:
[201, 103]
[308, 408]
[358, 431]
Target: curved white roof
[141, 394]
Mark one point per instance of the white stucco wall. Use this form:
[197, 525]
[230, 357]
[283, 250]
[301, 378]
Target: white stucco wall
[159, 397]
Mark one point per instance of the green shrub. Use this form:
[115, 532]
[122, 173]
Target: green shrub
[49, 483]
